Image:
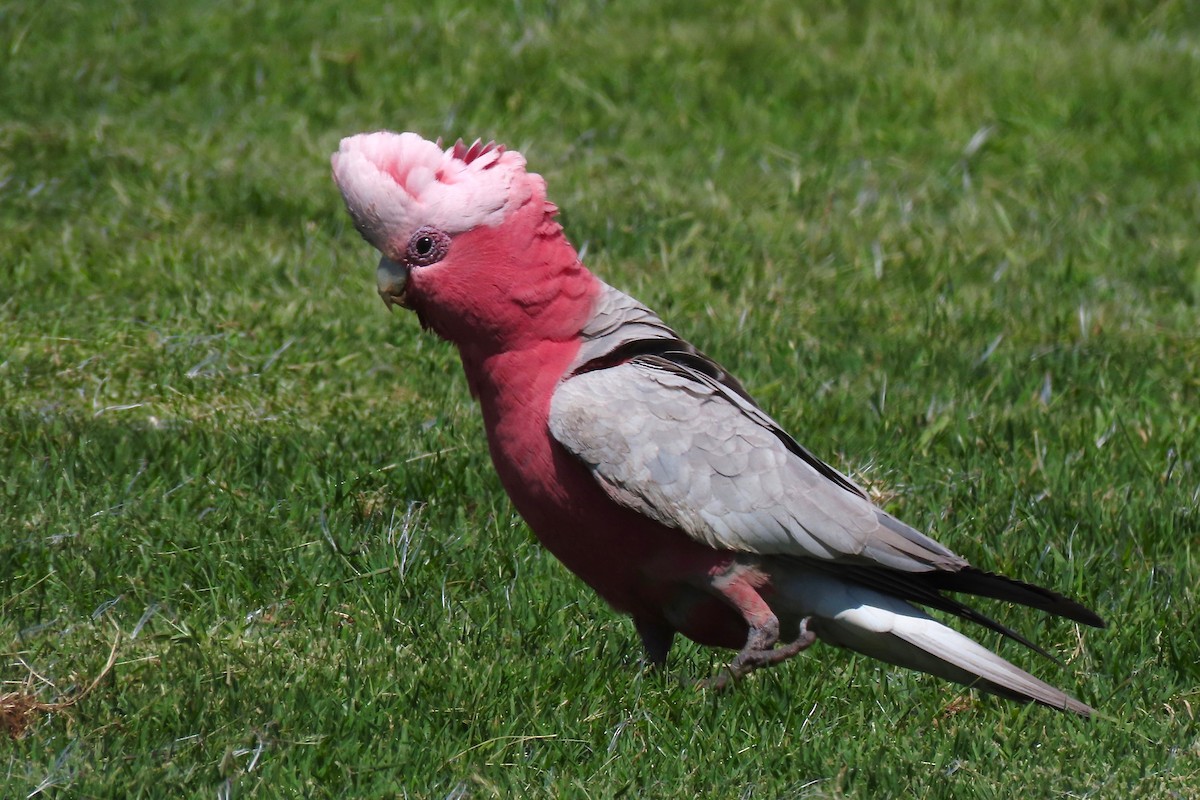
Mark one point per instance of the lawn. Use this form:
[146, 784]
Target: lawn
[251, 544]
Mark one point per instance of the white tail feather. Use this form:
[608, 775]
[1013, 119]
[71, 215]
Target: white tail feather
[897, 632]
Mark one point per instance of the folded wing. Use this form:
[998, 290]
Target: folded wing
[665, 433]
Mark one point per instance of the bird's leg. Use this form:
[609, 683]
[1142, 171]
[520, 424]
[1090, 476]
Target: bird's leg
[760, 649]
[656, 638]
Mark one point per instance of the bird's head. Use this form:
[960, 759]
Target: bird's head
[463, 231]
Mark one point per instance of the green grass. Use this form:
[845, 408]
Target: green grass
[221, 453]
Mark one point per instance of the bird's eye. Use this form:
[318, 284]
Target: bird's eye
[427, 246]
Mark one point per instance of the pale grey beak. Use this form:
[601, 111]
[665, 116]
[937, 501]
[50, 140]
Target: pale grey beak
[391, 279]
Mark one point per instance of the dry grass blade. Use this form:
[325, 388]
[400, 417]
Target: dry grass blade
[17, 708]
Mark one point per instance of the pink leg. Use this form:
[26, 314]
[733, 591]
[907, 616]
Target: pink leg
[760, 649]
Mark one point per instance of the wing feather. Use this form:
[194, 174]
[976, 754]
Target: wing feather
[666, 431]
[675, 443]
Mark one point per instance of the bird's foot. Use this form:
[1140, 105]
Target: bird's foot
[760, 651]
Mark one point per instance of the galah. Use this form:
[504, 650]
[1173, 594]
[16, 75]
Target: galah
[638, 461]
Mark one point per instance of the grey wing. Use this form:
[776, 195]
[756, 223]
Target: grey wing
[686, 450]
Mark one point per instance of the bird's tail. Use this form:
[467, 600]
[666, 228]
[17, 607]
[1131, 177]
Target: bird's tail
[893, 630]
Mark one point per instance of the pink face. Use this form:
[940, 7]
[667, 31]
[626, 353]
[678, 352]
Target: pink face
[463, 232]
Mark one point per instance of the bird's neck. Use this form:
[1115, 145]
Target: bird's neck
[523, 362]
[544, 297]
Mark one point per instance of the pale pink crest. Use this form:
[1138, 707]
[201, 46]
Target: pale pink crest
[395, 183]
[478, 148]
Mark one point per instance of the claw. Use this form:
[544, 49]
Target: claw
[760, 651]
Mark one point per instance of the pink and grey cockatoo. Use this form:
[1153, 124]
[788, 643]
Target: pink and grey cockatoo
[642, 464]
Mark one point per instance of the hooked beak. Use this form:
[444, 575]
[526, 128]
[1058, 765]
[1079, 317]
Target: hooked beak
[391, 279]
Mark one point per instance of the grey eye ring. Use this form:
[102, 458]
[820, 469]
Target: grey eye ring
[428, 245]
